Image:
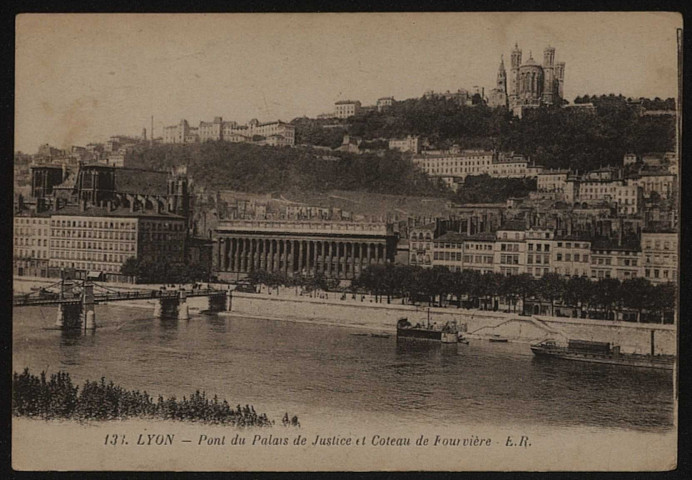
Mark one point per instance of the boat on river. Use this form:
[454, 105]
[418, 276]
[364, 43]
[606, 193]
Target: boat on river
[601, 352]
[446, 333]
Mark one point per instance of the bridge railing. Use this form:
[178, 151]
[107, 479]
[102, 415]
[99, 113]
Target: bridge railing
[25, 300]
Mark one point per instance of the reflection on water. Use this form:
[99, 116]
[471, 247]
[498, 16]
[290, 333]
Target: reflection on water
[317, 370]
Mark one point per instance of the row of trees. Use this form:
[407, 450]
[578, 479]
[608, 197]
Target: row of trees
[593, 299]
[146, 271]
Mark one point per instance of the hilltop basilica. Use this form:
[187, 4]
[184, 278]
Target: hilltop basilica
[530, 85]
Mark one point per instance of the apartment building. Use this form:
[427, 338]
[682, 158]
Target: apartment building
[660, 255]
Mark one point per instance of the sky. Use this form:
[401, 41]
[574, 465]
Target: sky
[83, 78]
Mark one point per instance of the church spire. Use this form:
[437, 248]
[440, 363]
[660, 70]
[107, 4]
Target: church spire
[502, 76]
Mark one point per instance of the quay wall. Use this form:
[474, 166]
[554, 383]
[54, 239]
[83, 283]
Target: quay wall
[632, 337]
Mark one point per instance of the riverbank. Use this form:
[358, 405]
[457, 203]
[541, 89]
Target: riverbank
[632, 337]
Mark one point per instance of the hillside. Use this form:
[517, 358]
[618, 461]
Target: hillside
[262, 169]
[553, 137]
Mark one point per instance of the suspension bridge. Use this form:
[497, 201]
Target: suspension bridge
[76, 300]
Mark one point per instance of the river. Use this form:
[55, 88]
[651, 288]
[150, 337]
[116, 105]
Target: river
[319, 372]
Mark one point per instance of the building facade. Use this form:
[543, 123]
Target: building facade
[411, 143]
[510, 251]
[532, 85]
[346, 108]
[553, 181]
[338, 250]
[271, 133]
[31, 246]
[421, 245]
[660, 256]
[98, 240]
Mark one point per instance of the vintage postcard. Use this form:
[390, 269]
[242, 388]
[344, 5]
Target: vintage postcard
[346, 242]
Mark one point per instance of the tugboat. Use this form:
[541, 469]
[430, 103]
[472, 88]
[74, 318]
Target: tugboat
[447, 333]
[602, 352]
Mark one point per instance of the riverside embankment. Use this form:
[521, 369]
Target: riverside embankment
[365, 313]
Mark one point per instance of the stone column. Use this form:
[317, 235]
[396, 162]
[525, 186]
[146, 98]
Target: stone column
[255, 253]
[313, 257]
[248, 258]
[286, 256]
[319, 252]
[353, 259]
[300, 256]
[226, 253]
[369, 252]
[343, 258]
[219, 245]
[329, 258]
[236, 255]
[291, 260]
[233, 254]
[241, 254]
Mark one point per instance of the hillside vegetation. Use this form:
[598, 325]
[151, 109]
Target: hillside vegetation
[261, 169]
[553, 137]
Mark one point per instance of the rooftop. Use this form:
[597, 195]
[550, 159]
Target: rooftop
[455, 237]
[74, 210]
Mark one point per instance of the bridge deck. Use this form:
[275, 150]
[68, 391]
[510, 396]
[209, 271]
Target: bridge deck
[28, 301]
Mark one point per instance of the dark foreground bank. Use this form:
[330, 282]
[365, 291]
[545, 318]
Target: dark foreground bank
[58, 398]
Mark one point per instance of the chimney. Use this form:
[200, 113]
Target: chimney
[56, 204]
[132, 205]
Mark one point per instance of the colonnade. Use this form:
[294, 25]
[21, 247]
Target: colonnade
[333, 258]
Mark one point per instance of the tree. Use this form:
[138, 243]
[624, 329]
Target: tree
[578, 293]
[636, 293]
[551, 287]
[518, 286]
[460, 285]
[663, 299]
[130, 267]
[606, 294]
[526, 288]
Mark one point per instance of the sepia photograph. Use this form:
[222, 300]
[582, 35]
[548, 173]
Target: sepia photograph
[346, 241]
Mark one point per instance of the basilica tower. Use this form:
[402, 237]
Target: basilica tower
[514, 74]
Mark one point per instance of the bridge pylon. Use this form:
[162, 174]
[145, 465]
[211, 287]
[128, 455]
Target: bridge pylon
[88, 303]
